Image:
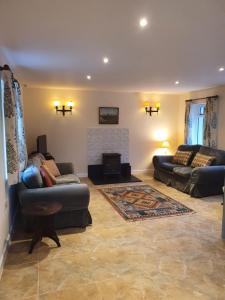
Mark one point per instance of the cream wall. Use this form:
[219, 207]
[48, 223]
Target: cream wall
[67, 136]
[220, 91]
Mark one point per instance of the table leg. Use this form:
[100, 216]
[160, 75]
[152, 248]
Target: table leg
[43, 227]
[49, 230]
[35, 239]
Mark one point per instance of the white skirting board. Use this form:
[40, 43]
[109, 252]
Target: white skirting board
[4, 254]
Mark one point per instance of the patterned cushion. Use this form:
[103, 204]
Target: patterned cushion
[51, 165]
[182, 157]
[35, 159]
[201, 160]
[53, 179]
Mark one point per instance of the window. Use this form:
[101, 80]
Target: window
[197, 116]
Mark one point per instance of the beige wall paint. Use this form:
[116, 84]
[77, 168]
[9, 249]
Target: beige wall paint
[67, 136]
[220, 91]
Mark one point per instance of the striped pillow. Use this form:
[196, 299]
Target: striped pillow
[201, 160]
[182, 157]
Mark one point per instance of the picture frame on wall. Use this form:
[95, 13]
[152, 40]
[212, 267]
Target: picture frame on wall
[108, 115]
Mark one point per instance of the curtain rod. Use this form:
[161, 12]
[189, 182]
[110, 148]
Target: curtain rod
[190, 100]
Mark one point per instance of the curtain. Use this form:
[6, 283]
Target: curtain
[210, 126]
[16, 152]
[188, 124]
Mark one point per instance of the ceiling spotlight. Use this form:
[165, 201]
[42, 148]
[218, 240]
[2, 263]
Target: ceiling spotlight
[177, 82]
[88, 77]
[221, 69]
[143, 22]
[105, 60]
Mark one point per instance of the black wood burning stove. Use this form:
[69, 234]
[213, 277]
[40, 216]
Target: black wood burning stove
[111, 170]
[111, 164]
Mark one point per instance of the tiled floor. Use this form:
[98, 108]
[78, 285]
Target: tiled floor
[180, 257]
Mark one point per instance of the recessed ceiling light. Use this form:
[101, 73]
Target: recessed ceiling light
[105, 60]
[221, 69]
[177, 82]
[143, 22]
[88, 77]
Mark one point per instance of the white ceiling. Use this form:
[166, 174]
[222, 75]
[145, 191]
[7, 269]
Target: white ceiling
[58, 42]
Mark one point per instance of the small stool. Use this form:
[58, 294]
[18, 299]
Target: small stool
[43, 213]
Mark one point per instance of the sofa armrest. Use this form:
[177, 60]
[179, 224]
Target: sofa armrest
[72, 196]
[159, 159]
[65, 168]
[209, 174]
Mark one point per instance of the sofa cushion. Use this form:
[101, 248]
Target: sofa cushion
[35, 159]
[168, 166]
[218, 154]
[51, 165]
[68, 178]
[45, 177]
[201, 160]
[183, 171]
[182, 157]
[193, 148]
[31, 177]
[53, 178]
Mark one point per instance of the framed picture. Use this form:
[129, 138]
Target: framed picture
[108, 115]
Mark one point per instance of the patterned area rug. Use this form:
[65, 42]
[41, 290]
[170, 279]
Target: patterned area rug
[143, 202]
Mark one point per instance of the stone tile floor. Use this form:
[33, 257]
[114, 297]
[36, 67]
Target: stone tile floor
[181, 257]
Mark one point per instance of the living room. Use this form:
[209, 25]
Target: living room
[142, 84]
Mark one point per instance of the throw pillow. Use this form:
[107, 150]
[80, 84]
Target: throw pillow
[182, 157]
[53, 179]
[51, 165]
[45, 177]
[201, 160]
[31, 177]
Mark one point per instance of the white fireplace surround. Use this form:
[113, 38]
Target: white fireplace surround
[107, 140]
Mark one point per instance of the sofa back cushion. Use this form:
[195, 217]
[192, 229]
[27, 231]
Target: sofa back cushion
[182, 157]
[201, 160]
[218, 154]
[31, 177]
[35, 159]
[193, 148]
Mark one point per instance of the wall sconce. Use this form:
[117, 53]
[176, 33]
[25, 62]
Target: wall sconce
[149, 109]
[63, 108]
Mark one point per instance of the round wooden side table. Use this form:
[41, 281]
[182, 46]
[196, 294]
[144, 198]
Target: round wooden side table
[43, 214]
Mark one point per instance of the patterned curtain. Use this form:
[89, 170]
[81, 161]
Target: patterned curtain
[188, 124]
[14, 130]
[210, 126]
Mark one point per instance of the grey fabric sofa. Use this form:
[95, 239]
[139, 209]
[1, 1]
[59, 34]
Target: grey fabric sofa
[73, 195]
[198, 182]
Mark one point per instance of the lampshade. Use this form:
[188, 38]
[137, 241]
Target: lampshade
[146, 104]
[70, 103]
[56, 103]
[157, 105]
[165, 144]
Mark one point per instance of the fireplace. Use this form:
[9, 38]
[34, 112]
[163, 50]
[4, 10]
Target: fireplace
[111, 170]
[111, 163]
